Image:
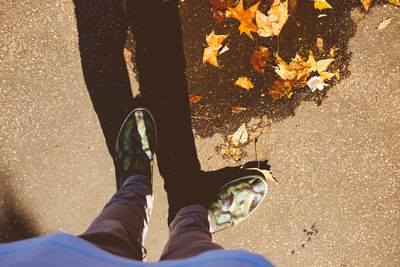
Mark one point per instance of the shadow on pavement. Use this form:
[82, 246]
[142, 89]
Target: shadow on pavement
[160, 61]
[14, 222]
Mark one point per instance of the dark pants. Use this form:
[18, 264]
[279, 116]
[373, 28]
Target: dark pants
[122, 225]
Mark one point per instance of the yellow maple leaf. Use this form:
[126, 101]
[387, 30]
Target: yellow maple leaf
[321, 4]
[214, 44]
[273, 23]
[296, 70]
[244, 82]
[296, 73]
[245, 17]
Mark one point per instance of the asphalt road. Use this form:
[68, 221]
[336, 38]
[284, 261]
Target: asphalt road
[338, 164]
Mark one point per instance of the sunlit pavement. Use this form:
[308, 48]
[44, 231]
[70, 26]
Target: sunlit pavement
[338, 164]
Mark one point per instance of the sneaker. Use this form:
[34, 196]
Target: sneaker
[135, 146]
[236, 201]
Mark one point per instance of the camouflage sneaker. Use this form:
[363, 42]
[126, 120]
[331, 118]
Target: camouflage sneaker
[236, 201]
[135, 146]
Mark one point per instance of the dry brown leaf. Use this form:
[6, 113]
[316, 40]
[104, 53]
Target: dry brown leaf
[230, 151]
[280, 88]
[273, 23]
[321, 4]
[214, 44]
[194, 98]
[292, 6]
[244, 82]
[257, 130]
[260, 57]
[238, 109]
[219, 8]
[245, 17]
[366, 3]
[241, 136]
[320, 44]
[384, 24]
[231, 148]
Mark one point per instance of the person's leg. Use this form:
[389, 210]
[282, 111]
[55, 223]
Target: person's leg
[189, 234]
[122, 225]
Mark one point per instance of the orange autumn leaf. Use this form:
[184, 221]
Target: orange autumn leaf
[214, 44]
[260, 57]
[245, 17]
[194, 98]
[210, 55]
[366, 4]
[215, 41]
[244, 82]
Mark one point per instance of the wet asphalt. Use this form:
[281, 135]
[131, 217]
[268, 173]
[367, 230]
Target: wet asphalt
[338, 163]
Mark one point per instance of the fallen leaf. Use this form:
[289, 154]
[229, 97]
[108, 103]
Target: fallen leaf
[321, 4]
[244, 82]
[194, 98]
[238, 109]
[214, 43]
[230, 151]
[266, 173]
[366, 4]
[128, 58]
[292, 6]
[219, 8]
[272, 24]
[296, 73]
[260, 57]
[280, 88]
[241, 136]
[320, 44]
[255, 133]
[384, 24]
[322, 15]
[315, 83]
[231, 148]
[245, 17]
[396, 2]
[297, 68]
[210, 55]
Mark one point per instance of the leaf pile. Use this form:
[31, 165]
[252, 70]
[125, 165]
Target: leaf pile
[232, 147]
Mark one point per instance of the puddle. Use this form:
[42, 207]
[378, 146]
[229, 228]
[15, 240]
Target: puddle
[213, 113]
